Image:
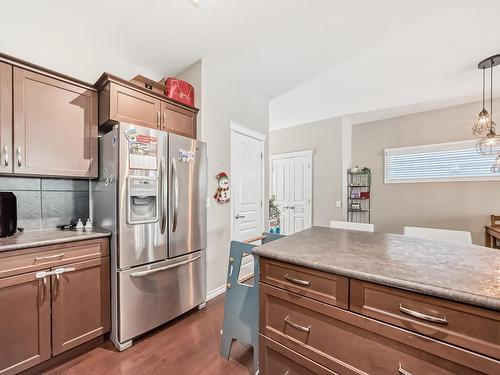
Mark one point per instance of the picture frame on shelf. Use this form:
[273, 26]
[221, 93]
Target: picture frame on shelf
[356, 206]
[356, 193]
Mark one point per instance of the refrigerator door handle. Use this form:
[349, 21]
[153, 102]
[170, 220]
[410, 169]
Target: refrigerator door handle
[175, 182]
[151, 272]
[163, 199]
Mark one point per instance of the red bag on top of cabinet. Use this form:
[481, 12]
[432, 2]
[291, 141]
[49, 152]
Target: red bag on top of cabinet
[180, 91]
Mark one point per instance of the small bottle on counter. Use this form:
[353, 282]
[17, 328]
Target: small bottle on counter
[79, 225]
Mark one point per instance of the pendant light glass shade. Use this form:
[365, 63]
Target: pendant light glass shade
[482, 125]
[495, 168]
[490, 144]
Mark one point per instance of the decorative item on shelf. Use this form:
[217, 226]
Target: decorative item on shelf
[180, 91]
[355, 193]
[489, 144]
[365, 195]
[368, 172]
[356, 206]
[354, 169]
[222, 195]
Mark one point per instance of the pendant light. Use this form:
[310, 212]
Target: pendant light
[482, 123]
[489, 145]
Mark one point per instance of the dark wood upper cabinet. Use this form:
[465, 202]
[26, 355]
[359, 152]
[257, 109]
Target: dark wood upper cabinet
[5, 118]
[178, 120]
[130, 106]
[55, 126]
[120, 100]
[24, 323]
[80, 304]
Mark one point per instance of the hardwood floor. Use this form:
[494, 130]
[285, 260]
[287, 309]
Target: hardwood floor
[187, 346]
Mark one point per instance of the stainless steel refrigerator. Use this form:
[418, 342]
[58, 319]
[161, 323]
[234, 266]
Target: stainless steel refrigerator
[151, 194]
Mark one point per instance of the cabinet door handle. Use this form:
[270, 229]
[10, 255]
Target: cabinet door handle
[43, 296]
[419, 315]
[58, 272]
[19, 158]
[48, 257]
[402, 371]
[158, 119]
[6, 155]
[292, 207]
[297, 326]
[297, 281]
[164, 120]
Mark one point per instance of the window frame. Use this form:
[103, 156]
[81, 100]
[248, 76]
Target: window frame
[430, 148]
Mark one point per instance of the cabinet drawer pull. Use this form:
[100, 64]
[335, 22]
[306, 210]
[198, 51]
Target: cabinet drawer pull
[297, 281]
[419, 315]
[297, 326]
[402, 371]
[38, 259]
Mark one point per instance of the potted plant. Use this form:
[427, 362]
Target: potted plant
[274, 214]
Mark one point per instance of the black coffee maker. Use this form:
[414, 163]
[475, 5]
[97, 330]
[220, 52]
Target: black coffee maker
[8, 214]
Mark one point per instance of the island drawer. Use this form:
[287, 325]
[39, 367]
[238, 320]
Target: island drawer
[349, 343]
[321, 286]
[278, 359]
[458, 324]
[32, 259]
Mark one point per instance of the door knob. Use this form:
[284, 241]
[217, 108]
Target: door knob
[239, 216]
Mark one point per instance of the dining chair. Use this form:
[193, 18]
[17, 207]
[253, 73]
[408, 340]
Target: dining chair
[364, 227]
[495, 220]
[443, 235]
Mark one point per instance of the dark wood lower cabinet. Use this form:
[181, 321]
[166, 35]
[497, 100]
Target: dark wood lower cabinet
[49, 311]
[301, 334]
[80, 304]
[24, 323]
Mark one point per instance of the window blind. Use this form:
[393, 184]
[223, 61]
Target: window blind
[454, 161]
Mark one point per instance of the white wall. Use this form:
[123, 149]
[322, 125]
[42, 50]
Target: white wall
[325, 138]
[222, 102]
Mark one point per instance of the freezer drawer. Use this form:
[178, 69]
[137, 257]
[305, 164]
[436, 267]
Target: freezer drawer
[152, 295]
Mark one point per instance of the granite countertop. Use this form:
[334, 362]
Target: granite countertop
[42, 237]
[468, 274]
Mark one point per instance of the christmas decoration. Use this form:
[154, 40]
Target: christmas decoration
[222, 195]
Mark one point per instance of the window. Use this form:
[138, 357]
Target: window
[455, 161]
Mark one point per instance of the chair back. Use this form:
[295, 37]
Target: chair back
[495, 220]
[364, 227]
[442, 235]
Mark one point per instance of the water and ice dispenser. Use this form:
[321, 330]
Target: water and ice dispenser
[143, 193]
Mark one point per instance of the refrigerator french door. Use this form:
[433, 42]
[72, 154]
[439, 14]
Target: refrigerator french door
[153, 201]
[187, 203]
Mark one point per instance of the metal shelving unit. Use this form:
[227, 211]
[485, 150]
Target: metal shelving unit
[358, 183]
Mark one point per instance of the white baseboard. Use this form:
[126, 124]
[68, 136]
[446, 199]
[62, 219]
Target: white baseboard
[216, 292]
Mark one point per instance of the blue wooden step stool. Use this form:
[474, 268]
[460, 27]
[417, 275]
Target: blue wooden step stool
[241, 309]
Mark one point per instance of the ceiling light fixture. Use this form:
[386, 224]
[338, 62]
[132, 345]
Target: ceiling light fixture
[195, 3]
[482, 124]
[489, 145]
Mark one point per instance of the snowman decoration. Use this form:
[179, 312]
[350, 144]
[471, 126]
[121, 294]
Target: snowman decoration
[222, 195]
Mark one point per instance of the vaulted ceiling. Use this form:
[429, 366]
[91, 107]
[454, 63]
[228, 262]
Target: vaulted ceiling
[313, 59]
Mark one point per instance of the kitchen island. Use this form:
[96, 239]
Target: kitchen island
[339, 301]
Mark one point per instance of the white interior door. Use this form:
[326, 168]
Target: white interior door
[247, 186]
[292, 186]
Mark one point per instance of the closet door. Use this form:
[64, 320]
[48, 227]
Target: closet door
[280, 189]
[299, 193]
